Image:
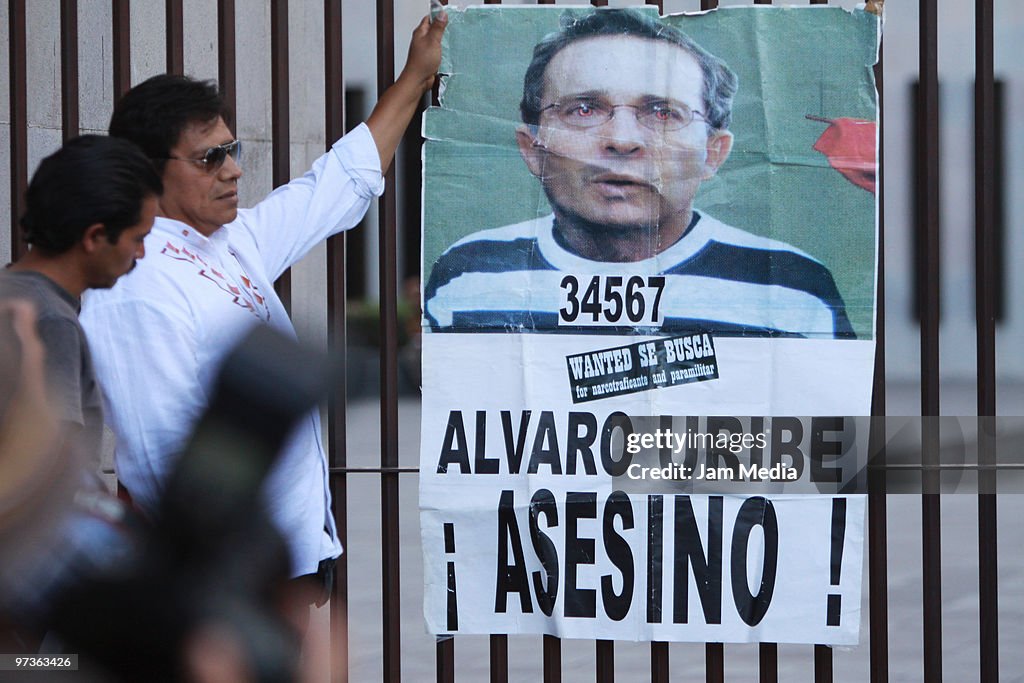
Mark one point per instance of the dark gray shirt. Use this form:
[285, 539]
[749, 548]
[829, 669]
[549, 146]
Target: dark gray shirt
[72, 387]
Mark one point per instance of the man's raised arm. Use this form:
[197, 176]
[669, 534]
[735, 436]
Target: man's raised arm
[398, 104]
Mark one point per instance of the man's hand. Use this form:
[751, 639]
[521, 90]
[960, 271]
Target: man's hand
[397, 105]
[23, 369]
[425, 52]
[33, 474]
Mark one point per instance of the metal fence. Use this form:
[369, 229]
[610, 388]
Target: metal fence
[389, 472]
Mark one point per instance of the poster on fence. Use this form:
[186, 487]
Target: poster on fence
[640, 234]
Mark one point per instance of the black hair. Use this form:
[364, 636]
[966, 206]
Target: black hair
[155, 112]
[91, 179]
[720, 82]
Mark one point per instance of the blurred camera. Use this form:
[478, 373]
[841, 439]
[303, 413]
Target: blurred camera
[126, 593]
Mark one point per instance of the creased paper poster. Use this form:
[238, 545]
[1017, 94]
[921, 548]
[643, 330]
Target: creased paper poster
[631, 218]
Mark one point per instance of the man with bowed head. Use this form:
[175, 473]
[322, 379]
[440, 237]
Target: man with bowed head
[89, 207]
[160, 335]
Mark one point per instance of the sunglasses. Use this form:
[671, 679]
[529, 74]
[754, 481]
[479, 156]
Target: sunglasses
[214, 158]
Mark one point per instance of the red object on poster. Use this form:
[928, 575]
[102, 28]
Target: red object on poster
[849, 145]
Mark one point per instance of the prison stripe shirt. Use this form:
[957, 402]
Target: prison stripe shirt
[718, 279]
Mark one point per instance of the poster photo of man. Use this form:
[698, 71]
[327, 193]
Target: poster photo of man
[668, 191]
[634, 226]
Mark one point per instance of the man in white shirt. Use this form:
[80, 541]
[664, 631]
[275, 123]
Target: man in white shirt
[159, 337]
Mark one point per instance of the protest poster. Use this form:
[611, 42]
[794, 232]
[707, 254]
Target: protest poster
[630, 217]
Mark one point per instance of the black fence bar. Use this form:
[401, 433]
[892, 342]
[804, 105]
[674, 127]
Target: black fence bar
[998, 268]
[175, 37]
[498, 643]
[660, 5]
[659, 662]
[822, 664]
[446, 655]
[929, 182]
[121, 47]
[768, 663]
[226, 57]
[552, 660]
[69, 68]
[986, 125]
[604, 652]
[878, 578]
[388, 241]
[552, 645]
[337, 454]
[931, 524]
[604, 649]
[919, 194]
[714, 663]
[410, 174]
[768, 653]
[714, 653]
[445, 660]
[928, 123]
[280, 128]
[499, 658]
[17, 64]
[356, 238]
[985, 200]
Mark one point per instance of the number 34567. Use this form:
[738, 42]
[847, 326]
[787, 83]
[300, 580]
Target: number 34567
[611, 300]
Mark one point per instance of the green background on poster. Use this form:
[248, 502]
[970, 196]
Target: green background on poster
[791, 62]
